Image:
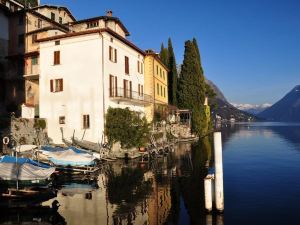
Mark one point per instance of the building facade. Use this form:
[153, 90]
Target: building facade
[89, 71]
[156, 85]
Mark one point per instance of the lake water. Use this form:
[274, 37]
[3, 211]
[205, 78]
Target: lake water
[261, 183]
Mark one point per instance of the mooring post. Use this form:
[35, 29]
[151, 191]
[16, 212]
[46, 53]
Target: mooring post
[219, 189]
[208, 192]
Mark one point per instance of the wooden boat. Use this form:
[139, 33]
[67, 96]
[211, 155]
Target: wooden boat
[87, 145]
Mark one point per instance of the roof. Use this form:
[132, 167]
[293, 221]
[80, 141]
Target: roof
[156, 56]
[55, 7]
[45, 29]
[105, 18]
[111, 32]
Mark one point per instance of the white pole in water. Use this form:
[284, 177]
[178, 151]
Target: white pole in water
[219, 189]
[208, 192]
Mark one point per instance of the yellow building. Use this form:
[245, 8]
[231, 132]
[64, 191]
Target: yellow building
[156, 85]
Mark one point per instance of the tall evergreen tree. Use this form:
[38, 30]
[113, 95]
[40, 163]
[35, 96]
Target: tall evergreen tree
[198, 53]
[191, 88]
[172, 75]
[164, 54]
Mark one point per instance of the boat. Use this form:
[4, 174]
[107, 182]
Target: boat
[24, 172]
[96, 147]
[70, 157]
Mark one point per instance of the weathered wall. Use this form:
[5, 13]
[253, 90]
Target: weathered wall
[29, 131]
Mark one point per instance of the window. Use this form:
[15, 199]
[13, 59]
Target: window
[56, 58]
[142, 68]
[34, 60]
[156, 70]
[126, 65]
[56, 85]
[164, 74]
[52, 16]
[157, 89]
[57, 42]
[92, 24]
[112, 54]
[86, 121]
[127, 88]
[113, 86]
[60, 20]
[21, 19]
[141, 90]
[40, 23]
[21, 39]
[164, 92]
[34, 38]
[62, 120]
[161, 92]
[160, 72]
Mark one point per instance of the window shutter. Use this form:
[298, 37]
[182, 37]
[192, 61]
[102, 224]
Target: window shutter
[142, 90]
[51, 85]
[126, 65]
[116, 55]
[110, 53]
[139, 88]
[142, 69]
[116, 86]
[124, 88]
[130, 87]
[138, 66]
[61, 84]
[110, 85]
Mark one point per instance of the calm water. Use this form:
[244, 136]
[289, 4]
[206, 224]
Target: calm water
[261, 182]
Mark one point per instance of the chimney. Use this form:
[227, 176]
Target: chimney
[109, 13]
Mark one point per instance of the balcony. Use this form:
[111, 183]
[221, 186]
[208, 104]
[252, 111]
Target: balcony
[32, 71]
[128, 96]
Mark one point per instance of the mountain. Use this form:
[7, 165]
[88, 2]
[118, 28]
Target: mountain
[252, 109]
[224, 109]
[285, 110]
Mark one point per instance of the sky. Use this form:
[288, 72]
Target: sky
[249, 49]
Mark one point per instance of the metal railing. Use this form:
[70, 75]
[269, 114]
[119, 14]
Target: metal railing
[129, 95]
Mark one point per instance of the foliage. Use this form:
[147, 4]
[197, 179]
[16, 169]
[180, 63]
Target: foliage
[191, 88]
[127, 127]
[127, 189]
[30, 3]
[172, 75]
[164, 54]
[40, 124]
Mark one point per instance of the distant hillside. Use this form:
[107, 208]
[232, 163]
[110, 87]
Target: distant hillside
[285, 110]
[252, 109]
[225, 109]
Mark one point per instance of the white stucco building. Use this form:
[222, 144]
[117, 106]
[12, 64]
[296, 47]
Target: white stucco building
[85, 72]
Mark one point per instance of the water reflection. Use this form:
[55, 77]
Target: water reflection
[33, 215]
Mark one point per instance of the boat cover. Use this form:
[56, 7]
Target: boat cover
[12, 168]
[69, 157]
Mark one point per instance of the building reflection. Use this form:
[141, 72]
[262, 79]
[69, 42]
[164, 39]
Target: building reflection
[135, 193]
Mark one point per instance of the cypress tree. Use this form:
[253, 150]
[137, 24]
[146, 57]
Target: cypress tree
[164, 54]
[172, 75]
[191, 88]
[198, 53]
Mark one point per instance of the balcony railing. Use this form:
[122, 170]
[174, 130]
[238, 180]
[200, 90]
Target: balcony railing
[127, 95]
[32, 71]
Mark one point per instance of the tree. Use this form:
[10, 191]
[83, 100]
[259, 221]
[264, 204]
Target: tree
[31, 3]
[191, 88]
[172, 75]
[126, 126]
[164, 54]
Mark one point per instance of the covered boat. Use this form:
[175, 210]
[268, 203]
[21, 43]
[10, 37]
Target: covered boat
[24, 171]
[68, 157]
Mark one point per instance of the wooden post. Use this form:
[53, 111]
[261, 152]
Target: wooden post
[219, 189]
[208, 192]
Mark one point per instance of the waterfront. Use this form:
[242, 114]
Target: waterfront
[261, 183]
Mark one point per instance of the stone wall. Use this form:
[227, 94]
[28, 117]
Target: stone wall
[29, 131]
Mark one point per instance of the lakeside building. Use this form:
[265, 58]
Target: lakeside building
[156, 85]
[84, 72]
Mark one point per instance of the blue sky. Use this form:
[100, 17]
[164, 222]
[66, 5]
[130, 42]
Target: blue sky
[249, 49]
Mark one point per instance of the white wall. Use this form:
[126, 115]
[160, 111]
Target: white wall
[118, 69]
[82, 73]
